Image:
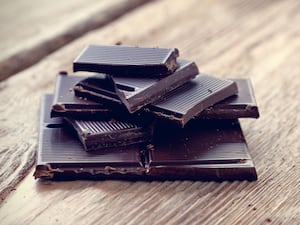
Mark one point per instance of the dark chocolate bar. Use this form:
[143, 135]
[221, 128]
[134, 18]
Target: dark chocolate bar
[61, 155]
[102, 88]
[132, 92]
[127, 61]
[66, 104]
[186, 102]
[202, 150]
[214, 150]
[99, 134]
[242, 104]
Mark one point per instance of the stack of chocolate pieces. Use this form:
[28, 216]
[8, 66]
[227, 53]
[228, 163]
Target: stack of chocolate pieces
[144, 113]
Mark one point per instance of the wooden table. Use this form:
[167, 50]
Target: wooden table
[230, 39]
[31, 29]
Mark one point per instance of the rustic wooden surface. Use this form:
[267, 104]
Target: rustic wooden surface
[32, 29]
[256, 39]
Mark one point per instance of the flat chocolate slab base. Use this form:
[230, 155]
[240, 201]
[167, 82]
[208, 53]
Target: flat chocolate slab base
[66, 104]
[127, 60]
[202, 151]
[61, 155]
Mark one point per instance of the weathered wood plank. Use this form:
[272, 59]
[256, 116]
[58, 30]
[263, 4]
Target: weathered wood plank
[257, 39]
[32, 29]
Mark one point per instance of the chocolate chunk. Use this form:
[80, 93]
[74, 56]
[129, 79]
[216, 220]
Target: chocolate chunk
[127, 61]
[66, 104]
[102, 87]
[204, 149]
[61, 155]
[241, 105]
[187, 101]
[132, 92]
[99, 134]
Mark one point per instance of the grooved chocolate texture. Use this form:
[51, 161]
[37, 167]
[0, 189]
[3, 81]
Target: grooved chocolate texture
[61, 155]
[127, 60]
[97, 134]
[204, 150]
[240, 105]
[190, 99]
[134, 93]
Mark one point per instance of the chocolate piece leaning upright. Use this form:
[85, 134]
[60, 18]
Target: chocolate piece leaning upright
[127, 60]
[203, 150]
[133, 92]
[186, 102]
[100, 134]
[61, 156]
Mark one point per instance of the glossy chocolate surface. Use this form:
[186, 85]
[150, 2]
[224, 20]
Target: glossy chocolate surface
[204, 150]
[61, 155]
[132, 92]
[100, 134]
[186, 102]
[240, 105]
[127, 60]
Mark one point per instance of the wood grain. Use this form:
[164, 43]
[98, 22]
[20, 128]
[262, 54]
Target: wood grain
[32, 29]
[256, 39]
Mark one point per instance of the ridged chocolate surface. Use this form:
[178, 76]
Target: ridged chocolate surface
[123, 55]
[127, 61]
[187, 101]
[202, 151]
[58, 144]
[95, 127]
[243, 104]
[134, 92]
[203, 87]
[101, 134]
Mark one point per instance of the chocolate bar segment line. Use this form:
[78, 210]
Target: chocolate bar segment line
[174, 155]
[187, 101]
[127, 60]
[143, 90]
[61, 154]
[97, 134]
[202, 150]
